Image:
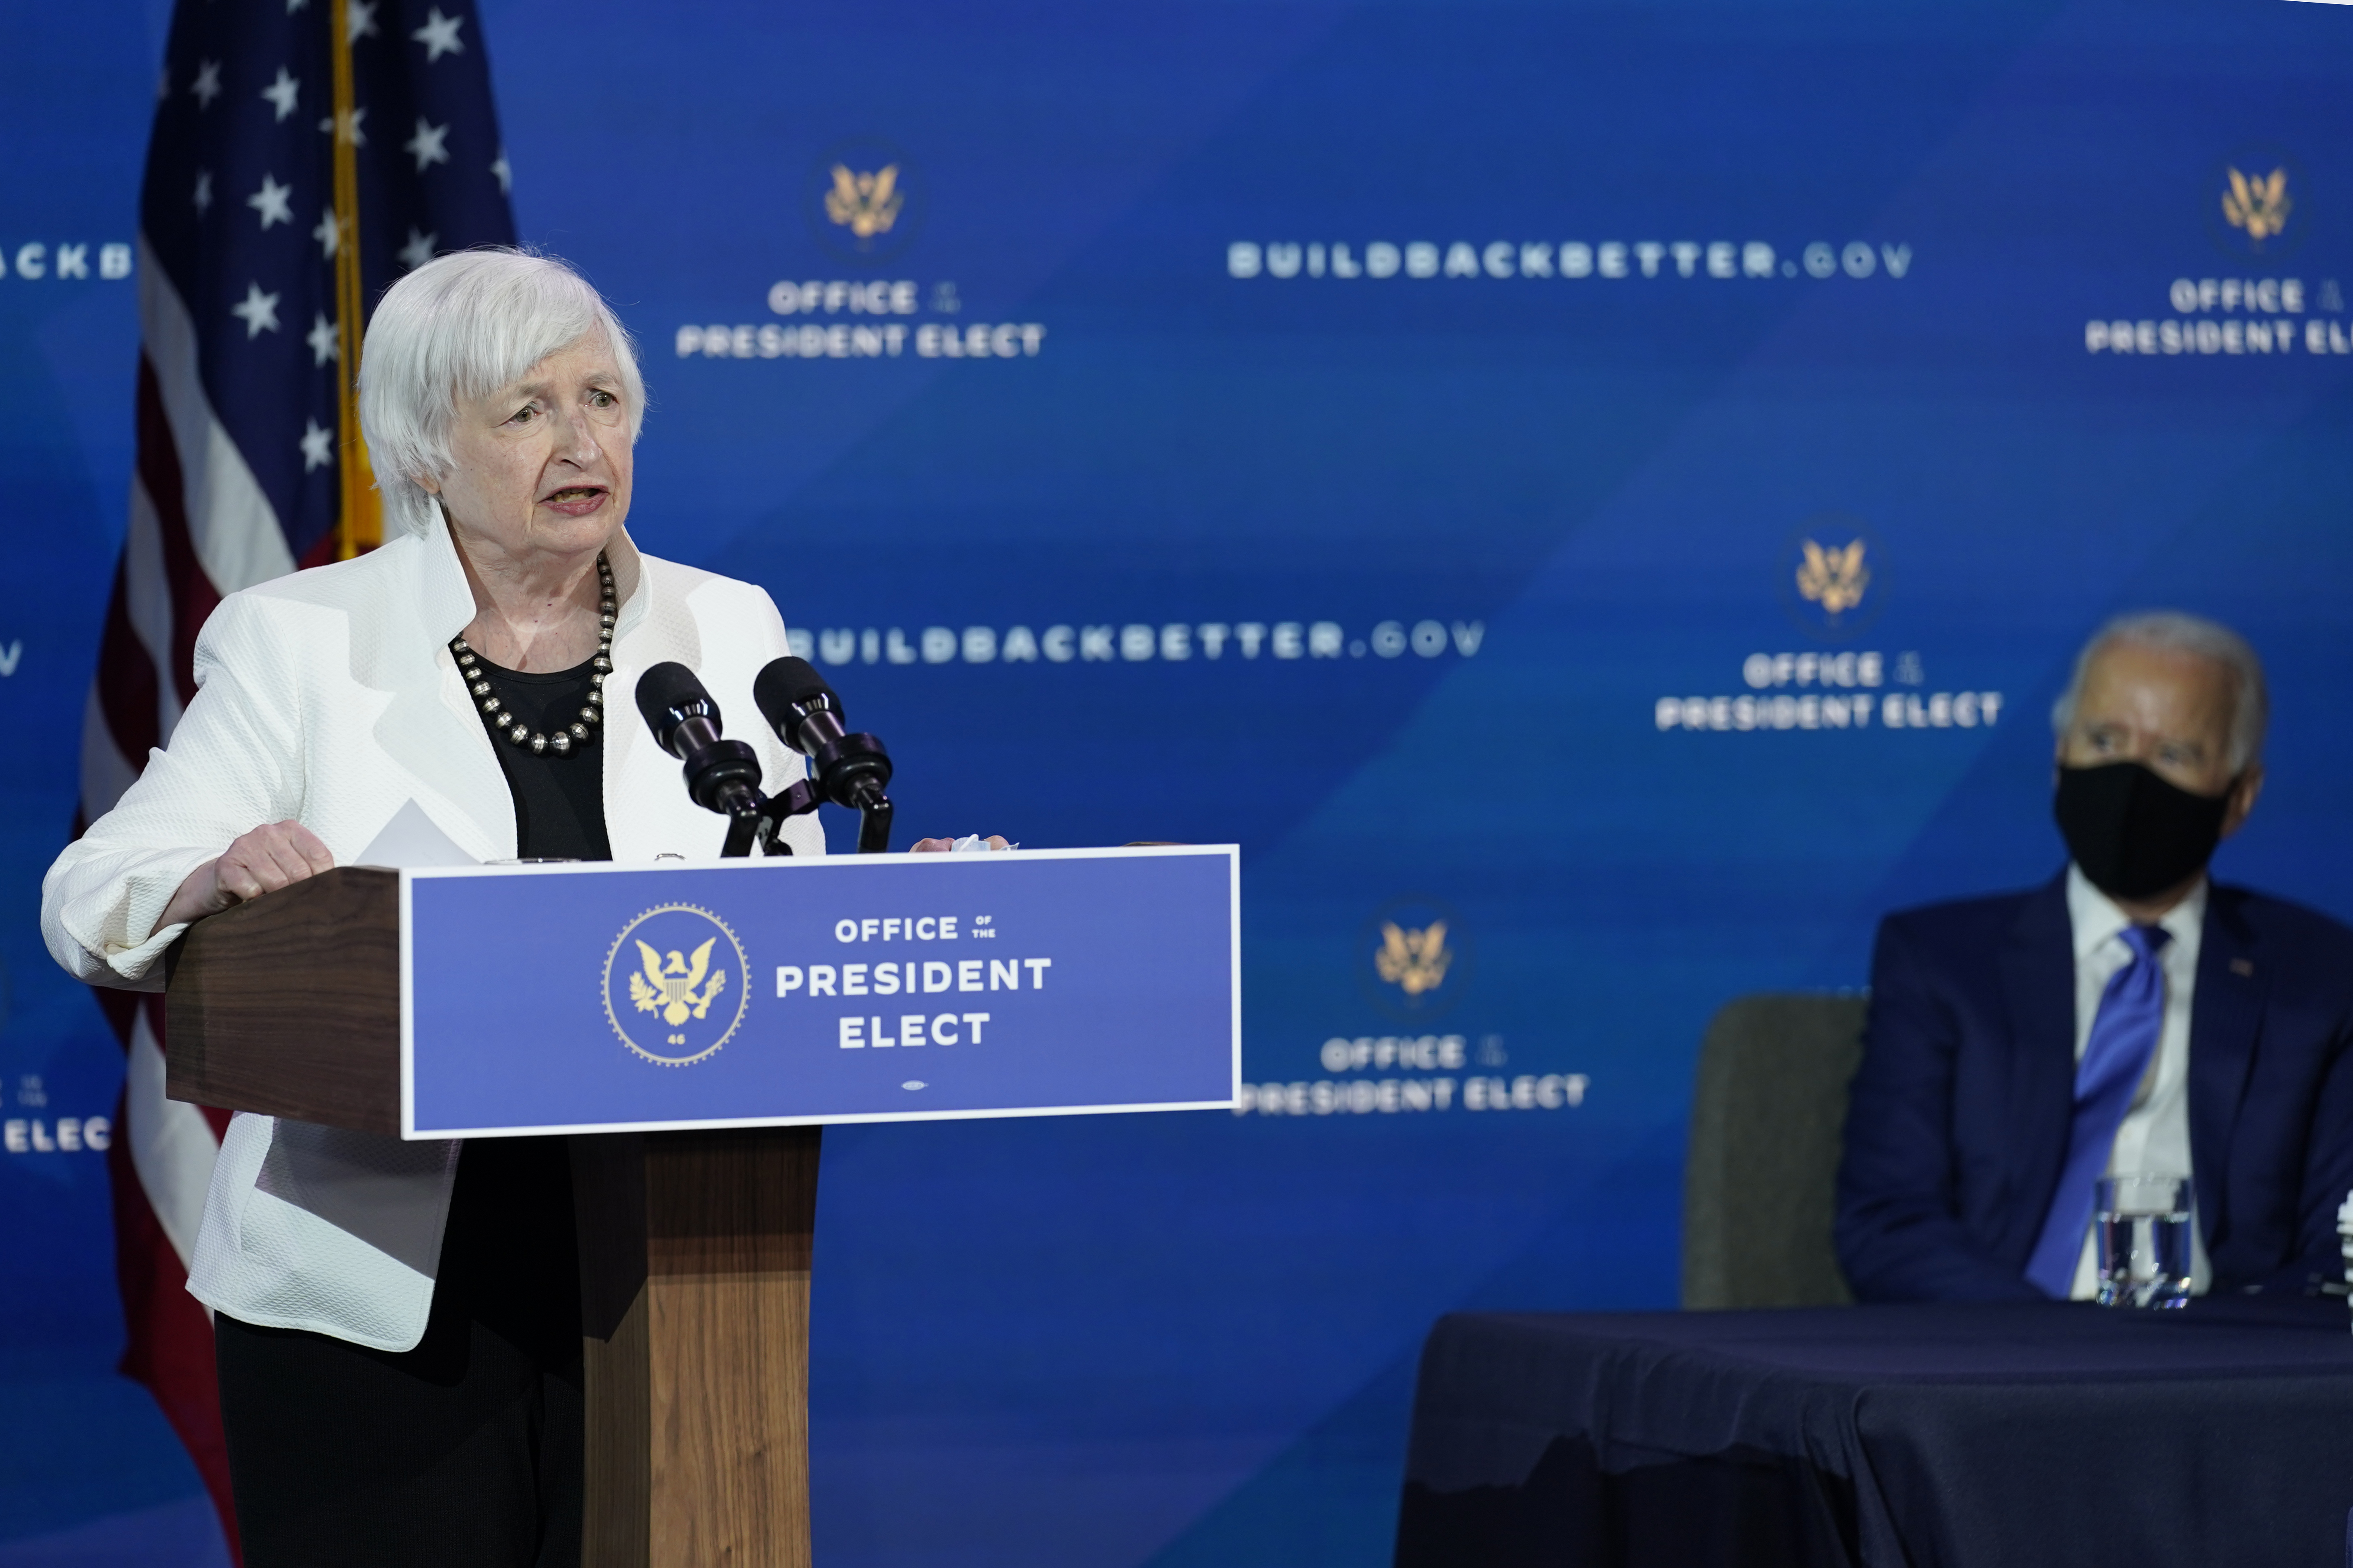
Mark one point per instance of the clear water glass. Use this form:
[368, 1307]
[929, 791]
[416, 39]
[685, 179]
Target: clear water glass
[2142, 1227]
[2345, 1242]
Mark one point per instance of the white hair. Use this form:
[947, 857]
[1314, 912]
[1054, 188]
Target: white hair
[462, 326]
[2177, 631]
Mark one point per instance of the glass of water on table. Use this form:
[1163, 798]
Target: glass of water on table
[2142, 1227]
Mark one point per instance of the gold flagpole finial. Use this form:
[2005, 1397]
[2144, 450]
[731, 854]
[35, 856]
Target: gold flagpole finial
[359, 523]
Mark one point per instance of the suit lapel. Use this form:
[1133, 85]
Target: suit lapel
[429, 722]
[646, 811]
[2226, 1015]
[2037, 979]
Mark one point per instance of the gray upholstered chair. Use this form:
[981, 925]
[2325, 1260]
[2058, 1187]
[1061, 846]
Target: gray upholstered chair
[1768, 1118]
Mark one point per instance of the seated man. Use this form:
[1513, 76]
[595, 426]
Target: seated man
[2129, 1017]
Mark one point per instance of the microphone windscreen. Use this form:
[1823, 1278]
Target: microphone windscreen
[666, 692]
[786, 684]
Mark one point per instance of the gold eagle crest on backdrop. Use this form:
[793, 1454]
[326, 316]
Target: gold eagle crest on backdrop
[2260, 205]
[1413, 961]
[865, 205]
[1832, 576]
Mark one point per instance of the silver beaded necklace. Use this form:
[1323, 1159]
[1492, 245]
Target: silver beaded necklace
[566, 738]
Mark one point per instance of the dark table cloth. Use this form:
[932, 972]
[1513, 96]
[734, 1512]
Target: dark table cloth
[1927, 1436]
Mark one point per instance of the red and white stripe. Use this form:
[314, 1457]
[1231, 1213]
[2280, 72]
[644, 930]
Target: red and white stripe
[199, 528]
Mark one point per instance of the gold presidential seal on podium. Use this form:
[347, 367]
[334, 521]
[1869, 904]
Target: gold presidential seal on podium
[677, 983]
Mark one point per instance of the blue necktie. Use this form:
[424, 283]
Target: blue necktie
[2124, 1036]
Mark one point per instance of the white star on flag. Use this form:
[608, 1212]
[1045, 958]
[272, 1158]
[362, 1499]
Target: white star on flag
[270, 202]
[204, 192]
[294, 6]
[427, 144]
[439, 36]
[329, 233]
[347, 125]
[418, 251]
[206, 87]
[318, 445]
[359, 20]
[503, 173]
[282, 92]
[324, 345]
[259, 312]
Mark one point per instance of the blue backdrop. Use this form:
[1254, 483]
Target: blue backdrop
[1386, 435]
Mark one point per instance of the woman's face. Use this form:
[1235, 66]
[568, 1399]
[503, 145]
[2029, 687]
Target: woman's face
[542, 467]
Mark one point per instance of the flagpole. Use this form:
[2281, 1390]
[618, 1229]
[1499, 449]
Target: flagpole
[359, 523]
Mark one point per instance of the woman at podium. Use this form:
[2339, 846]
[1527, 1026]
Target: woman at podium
[398, 1325]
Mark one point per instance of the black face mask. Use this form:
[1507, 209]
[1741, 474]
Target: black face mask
[2132, 833]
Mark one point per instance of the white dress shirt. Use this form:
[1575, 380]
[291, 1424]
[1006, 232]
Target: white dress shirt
[2155, 1138]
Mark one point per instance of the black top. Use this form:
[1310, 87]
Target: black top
[559, 801]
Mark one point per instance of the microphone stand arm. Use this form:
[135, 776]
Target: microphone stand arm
[756, 817]
[753, 817]
[874, 824]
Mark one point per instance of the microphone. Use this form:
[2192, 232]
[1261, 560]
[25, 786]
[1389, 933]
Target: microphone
[722, 775]
[851, 770]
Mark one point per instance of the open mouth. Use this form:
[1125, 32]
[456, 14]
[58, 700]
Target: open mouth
[573, 496]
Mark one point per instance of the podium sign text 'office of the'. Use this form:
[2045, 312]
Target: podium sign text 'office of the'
[572, 998]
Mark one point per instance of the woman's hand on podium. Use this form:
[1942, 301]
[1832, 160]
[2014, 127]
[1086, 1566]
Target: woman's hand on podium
[943, 846]
[273, 856]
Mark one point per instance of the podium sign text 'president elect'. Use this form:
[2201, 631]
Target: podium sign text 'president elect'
[867, 988]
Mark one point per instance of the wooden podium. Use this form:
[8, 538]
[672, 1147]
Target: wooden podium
[694, 1246]
[460, 1002]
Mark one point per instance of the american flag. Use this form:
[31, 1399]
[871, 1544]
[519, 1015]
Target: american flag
[303, 157]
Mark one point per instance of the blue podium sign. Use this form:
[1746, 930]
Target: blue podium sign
[855, 988]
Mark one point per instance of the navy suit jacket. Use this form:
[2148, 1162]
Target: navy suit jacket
[1958, 1121]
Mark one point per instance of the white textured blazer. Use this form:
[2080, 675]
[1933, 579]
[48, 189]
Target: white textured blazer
[330, 697]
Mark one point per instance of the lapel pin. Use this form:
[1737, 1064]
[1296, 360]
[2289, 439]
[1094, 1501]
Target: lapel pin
[2242, 966]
